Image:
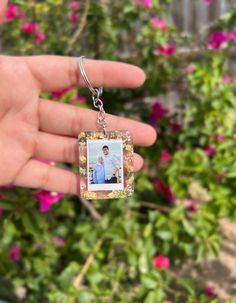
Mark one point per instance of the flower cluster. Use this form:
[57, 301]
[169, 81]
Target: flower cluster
[47, 199]
[73, 15]
[218, 40]
[33, 28]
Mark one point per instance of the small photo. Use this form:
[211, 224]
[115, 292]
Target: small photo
[105, 165]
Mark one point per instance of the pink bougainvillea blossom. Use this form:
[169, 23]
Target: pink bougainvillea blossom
[167, 50]
[73, 17]
[191, 206]
[30, 27]
[8, 186]
[175, 127]
[58, 241]
[210, 150]
[59, 93]
[227, 79]
[158, 111]
[47, 199]
[165, 156]
[232, 35]
[217, 40]
[79, 99]
[39, 37]
[208, 2]
[13, 11]
[221, 137]
[44, 161]
[145, 3]
[75, 5]
[14, 253]
[209, 291]
[160, 23]
[164, 190]
[161, 262]
[190, 68]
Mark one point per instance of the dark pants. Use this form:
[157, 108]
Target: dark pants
[112, 180]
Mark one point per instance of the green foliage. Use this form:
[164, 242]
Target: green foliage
[112, 257]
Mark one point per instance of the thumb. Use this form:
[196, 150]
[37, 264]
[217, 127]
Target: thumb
[3, 4]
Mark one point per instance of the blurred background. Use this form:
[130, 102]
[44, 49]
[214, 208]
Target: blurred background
[175, 239]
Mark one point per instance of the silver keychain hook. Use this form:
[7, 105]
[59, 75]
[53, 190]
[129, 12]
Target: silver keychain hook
[96, 93]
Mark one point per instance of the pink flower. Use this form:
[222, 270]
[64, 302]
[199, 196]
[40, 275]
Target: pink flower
[80, 99]
[60, 92]
[175, 127]
[39, 37]
[232, 35]
[44, 161]
[191, 206]
[8, 186]
[227, 79]
[58, 241]
[165, 156]
[208, 2]
[47, 199]
[161, 262]
[73, 17]
[160, 23]
[166, 50]
[14, 253]
[164, 190]
[30, 28]
[218, 39]
[75, 5]
[145, 3]
[209, 291]
[210, 150]
[221, 137]
[157, 112]
[12, 12]
[190, 68]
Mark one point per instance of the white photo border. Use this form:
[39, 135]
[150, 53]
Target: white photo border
[106, 186]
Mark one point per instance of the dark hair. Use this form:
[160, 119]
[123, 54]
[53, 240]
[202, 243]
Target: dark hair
[105, 146]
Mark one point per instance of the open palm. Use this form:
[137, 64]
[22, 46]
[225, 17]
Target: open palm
[33, 127]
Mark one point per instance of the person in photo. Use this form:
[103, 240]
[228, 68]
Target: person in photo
[99, 172]
[111, 165]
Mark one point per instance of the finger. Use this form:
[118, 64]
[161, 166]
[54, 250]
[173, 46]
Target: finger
[68, 120]
[36, 174]
[57, 72]
[3, 4]
[65, 150]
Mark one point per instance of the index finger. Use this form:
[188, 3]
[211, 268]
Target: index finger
[58, 72]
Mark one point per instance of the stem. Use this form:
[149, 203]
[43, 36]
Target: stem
[78, 280]
[80, 28]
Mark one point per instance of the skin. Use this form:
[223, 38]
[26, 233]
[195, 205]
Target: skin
[100, 160]
[34, 127]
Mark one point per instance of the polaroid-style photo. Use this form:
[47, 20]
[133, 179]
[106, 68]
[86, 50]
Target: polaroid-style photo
[105, 165]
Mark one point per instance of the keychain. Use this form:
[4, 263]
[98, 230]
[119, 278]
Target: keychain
[105, 157]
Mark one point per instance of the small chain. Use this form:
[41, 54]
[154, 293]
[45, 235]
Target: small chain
[101, 117]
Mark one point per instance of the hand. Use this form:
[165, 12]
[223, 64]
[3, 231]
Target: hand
[33, 127]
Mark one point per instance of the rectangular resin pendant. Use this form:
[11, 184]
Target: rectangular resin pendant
[106, 164]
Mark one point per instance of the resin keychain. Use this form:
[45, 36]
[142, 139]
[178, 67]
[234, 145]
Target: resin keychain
[105, 157]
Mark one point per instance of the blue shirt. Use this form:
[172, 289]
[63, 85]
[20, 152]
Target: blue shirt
[99, 174]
